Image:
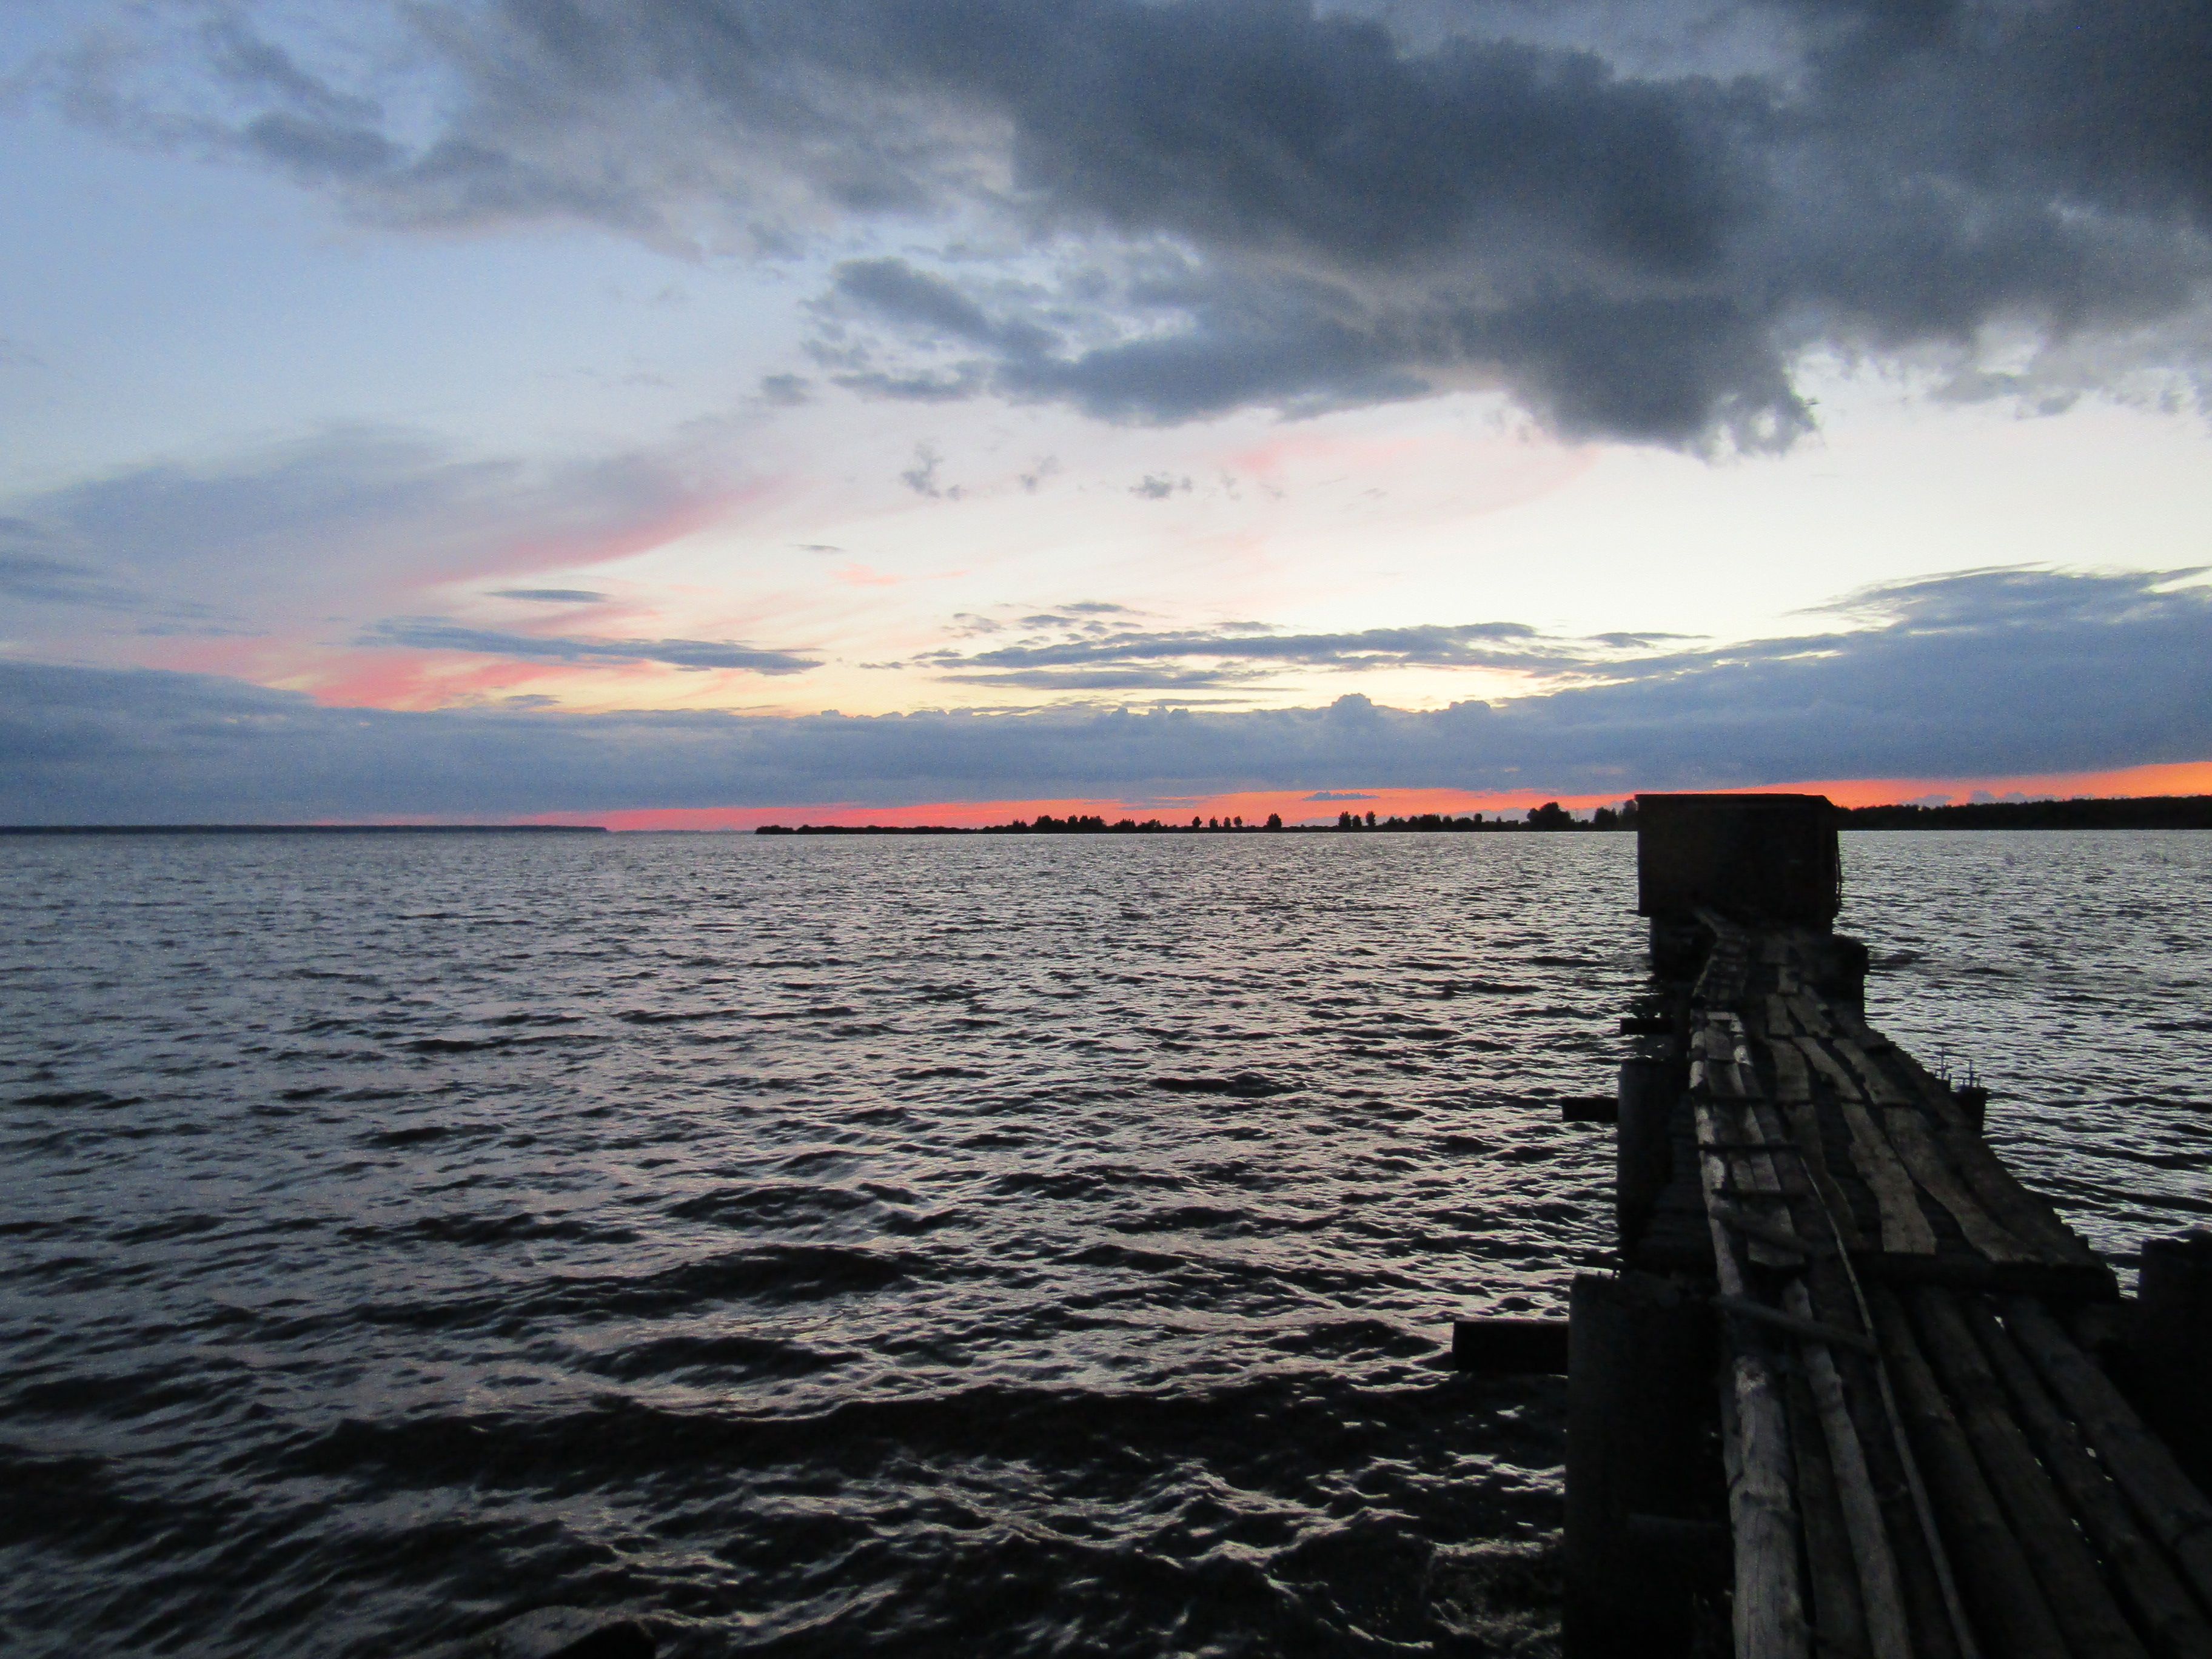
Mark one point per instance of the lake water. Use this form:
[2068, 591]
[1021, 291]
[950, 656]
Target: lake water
[815, 1245]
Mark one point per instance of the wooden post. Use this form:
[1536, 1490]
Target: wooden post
[1639, 1414]
[2170, 1348]
[1651, 1086]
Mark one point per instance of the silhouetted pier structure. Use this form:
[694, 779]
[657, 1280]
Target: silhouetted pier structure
[1855, 1391]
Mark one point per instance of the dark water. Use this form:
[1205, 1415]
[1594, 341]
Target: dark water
[797, 1242]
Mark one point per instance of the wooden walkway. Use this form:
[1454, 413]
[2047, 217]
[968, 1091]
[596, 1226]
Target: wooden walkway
[1922, 1456]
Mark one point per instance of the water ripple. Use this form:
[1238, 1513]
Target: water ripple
[932, 1247]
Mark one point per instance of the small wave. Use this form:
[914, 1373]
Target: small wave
[417, 1135]
[513, 1229]
[1243, 1086]
[175, 1226]
[81, 1098]
[726, 1356]
[781, 1205]
[1188, 1218]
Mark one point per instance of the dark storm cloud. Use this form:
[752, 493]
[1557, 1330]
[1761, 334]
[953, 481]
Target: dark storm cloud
[1987, 673]
[423, 634]
[1256, 203]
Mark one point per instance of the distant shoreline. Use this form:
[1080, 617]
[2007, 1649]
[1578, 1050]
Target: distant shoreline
[2082, 812]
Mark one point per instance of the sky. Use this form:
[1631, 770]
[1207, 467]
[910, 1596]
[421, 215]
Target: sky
[705, 412]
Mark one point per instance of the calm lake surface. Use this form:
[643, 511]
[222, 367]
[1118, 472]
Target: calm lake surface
[799, 1241]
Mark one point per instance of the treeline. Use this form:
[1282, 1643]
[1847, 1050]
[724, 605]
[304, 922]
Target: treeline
[1550, 816]
[2127, 813]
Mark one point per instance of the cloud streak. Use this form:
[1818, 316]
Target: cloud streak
[1087, 657]
[423, 634]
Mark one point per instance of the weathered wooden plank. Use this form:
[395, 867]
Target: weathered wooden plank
[1748, 1173]
[2154, 1595]
[2168, 1503]
[1881, 1601]
[1879, 1087]
[2026, 1215]
[1839, 1620]
[1811, 1013]
[1778, 1023]
[1809, 1330]
[1904, 1229]
[2065, 1571]
[1792, 1083]
[1934, 1612]
[1923, 1159]
[1841, 1080]
[2007, 1605]
[1805, 1134]
[1768, 1602]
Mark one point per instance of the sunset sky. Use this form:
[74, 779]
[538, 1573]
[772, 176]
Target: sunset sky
[704, 411]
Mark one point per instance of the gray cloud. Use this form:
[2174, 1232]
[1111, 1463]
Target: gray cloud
[35, 578]
[346, 511]
[1084, 655]
[551, 595]
[1983, 673]
[1633, 222]
[894, 290]
[423, 634]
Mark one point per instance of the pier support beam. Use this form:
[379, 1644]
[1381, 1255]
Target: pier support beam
[2170, 1348]
[1651, 1083]
[1642, 1491]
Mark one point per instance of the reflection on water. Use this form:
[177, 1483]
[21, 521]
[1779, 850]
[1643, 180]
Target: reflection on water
[1012, 1246]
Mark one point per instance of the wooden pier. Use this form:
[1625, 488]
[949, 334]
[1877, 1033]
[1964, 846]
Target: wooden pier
[1855, 1391]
